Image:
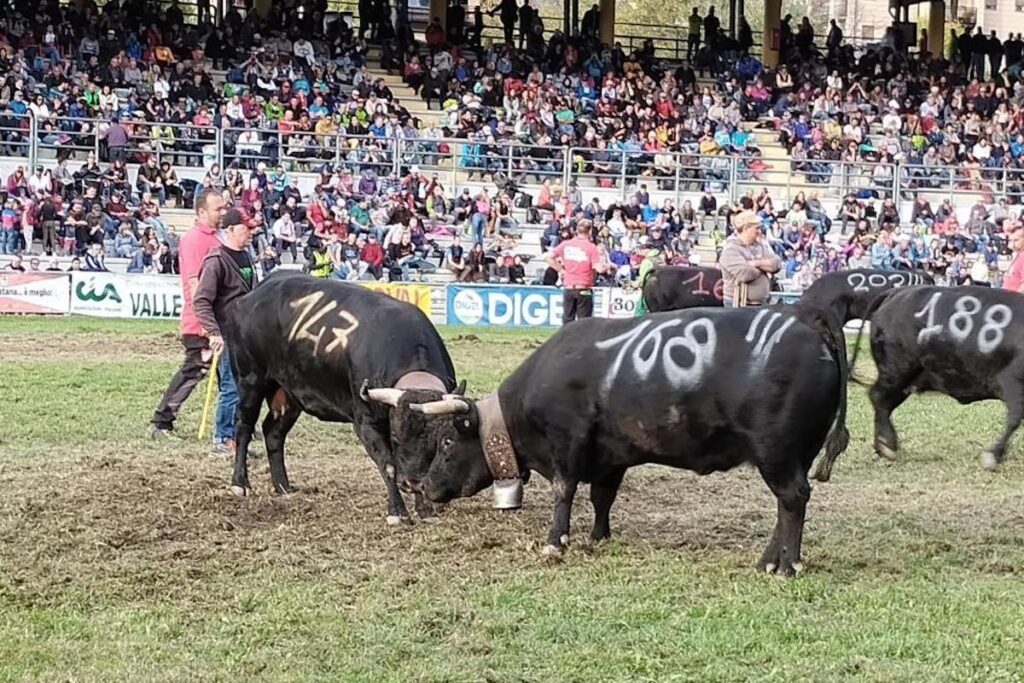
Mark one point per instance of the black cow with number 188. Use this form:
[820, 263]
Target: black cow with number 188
[964, 342]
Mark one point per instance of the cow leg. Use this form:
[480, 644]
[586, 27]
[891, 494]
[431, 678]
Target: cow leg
[886, 396]
[1013, 396]
[564, 491]
[792, 490]
[249, 398]
[379, 450]
[602, 495]
[275, 428]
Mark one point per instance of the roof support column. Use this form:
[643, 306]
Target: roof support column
[606, 25]
[770, 39]
[936, 27]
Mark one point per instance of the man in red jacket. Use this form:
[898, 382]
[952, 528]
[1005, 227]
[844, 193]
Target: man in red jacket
[372, 254]
[193, 248]
[1014, 278]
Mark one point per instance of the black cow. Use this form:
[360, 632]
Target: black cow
[965, 342]
[850, 293]
[705, 390]
[671, 288]
[341, 353]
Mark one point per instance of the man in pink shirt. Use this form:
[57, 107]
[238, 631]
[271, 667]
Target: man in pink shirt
[1014, 278]
[577, 259]
[193, 248]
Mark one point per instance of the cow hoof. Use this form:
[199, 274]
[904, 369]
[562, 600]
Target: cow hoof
[552, 552]
[398, 520]
[821, 472]
[770, 568]
[989, 461]
[885, 451]
[798, 567]
[240, 491]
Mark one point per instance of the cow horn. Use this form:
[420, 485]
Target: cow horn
[389, 396]
[450, 405]
[460, 390]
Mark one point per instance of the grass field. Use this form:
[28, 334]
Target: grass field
[125, 560]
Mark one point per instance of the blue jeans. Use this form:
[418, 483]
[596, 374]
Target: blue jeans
[479, 223]
[9, 240]
[225, 428]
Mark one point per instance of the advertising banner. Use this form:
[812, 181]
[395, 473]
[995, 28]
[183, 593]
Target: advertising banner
[417, 295]
[116, 295]
[507, 306]
[45, 293]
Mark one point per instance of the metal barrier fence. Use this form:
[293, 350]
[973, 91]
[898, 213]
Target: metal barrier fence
[613, 168]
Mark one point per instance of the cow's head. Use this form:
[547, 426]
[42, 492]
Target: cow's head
[415, 436]
[474, 450]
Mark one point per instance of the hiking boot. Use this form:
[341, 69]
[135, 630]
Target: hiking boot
[162, 433]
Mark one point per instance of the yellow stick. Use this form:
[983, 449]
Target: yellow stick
[211, 381]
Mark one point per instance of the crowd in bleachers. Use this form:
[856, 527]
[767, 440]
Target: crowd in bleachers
[293, 93]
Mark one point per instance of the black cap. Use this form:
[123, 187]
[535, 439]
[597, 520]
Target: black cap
[232, 217]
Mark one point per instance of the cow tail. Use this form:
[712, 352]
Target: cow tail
[831, 328]
[875, 304]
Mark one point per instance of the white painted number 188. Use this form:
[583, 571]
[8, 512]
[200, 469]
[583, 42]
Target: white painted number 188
[960, 325]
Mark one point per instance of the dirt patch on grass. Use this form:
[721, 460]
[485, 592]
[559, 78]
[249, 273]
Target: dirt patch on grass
[89, 348]
[147, 524]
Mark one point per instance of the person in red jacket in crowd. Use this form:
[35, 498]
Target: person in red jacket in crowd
[434, 35]
[1014, 278]
[372, 254]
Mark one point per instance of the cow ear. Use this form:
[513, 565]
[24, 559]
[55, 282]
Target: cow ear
[467, 424]
[460, 390]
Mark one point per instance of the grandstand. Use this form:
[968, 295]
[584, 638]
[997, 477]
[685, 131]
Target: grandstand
[736, 131]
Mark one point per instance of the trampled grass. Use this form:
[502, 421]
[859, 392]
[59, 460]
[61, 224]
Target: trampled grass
[124, 560]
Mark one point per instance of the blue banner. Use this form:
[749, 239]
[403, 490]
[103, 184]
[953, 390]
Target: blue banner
[508, 306]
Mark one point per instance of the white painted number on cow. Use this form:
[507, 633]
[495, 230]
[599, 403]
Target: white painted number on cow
[961, 323]
[767, 340]
[653, 347]
[930, 329]
[309, 314]
[991, 333]
[864, 283]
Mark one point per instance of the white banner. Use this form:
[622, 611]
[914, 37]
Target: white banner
[619, 303]
[116, 295]
[33, 292]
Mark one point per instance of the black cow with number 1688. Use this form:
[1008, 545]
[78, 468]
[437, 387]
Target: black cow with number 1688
[702, 389]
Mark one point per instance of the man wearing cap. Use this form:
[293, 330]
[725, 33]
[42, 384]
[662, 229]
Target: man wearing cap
[226, 274]
[577, 259]
[193, 248]
[747, 264]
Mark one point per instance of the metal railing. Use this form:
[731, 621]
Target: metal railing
[611, 169]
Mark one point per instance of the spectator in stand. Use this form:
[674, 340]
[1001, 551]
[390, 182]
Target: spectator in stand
[1014, 277]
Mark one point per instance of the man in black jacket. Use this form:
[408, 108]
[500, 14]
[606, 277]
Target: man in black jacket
[226, 275]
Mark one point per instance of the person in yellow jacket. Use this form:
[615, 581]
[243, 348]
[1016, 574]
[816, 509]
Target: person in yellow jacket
[320, 264]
